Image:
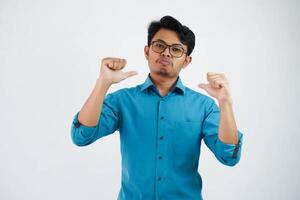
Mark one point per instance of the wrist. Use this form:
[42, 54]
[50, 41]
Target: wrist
[103, 82]
[225, 101]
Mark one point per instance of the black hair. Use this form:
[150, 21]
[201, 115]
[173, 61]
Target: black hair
[186, 36]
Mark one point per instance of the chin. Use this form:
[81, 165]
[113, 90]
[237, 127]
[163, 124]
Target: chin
[163, 73]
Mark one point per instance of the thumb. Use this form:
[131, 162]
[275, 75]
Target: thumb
[129, 74]
[203, 86]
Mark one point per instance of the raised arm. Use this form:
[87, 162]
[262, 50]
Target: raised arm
[86, 122]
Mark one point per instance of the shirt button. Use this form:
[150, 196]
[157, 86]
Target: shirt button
[162, 117]
[159, 178]
[160, 157]
[161, 138]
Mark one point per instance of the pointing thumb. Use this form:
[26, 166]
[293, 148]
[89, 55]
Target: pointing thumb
[130, 73]
[202, 85]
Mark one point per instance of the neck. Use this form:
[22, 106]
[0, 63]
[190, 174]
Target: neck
[163, 84]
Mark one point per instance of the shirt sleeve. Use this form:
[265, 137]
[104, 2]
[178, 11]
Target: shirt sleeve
[108, 123]
[228, 154]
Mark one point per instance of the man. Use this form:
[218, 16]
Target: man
[161, 122]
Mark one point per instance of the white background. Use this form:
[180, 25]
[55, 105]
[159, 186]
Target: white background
[49, 61]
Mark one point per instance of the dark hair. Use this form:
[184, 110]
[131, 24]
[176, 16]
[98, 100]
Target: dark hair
[186, 36]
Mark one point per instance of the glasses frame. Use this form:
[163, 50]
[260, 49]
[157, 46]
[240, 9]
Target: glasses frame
[169, 47]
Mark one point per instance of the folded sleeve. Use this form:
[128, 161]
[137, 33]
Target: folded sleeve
[228, 154]
[108, 123]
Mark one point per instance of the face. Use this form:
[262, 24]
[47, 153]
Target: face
[164, 64]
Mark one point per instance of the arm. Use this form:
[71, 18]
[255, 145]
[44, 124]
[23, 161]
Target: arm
[110, 73]
[98, 116]
[89, 113]
[220, 130]
[218, 87]
[228, 132]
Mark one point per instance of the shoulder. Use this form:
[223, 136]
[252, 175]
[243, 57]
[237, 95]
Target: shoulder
[128, 91]
[198, 96]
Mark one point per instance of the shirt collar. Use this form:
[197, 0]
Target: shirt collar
[178, 86]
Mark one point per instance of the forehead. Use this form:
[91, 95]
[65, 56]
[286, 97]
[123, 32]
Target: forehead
[169, 36]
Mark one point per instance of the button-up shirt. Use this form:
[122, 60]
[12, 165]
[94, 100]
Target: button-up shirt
[160, 139]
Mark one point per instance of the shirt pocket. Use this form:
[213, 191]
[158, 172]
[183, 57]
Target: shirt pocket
[186, 138]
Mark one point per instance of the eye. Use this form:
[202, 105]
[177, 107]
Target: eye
[160, 45]
[177, 49]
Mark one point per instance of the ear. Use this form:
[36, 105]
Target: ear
[146, 52]
[187, 61]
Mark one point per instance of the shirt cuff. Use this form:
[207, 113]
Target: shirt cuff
[81, 134]
[232, 151]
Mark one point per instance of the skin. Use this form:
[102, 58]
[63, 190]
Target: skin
[164, 77]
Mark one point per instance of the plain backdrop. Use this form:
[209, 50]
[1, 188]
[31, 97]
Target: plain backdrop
[50, 53]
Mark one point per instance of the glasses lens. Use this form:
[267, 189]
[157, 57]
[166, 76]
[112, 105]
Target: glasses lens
[176, 51]
[159, 47]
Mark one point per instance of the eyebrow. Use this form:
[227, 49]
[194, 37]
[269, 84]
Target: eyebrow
[171, 44]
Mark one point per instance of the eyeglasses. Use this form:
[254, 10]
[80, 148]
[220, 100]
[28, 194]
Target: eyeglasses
[175, 49]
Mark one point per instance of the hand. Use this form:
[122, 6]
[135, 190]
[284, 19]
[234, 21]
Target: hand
[218, 87]
[110, 70]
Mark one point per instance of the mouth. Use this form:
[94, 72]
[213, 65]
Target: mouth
[163, 61]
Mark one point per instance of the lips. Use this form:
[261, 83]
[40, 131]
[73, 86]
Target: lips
[164, 61]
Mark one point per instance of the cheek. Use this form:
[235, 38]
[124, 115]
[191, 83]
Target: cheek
[152, 57]
[178, 64]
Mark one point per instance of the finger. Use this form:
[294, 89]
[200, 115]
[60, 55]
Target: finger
[122, 63]
[218, 83]
[203, 86]
[129, 74]
[108, 63]
[214, 82]
[209, 78]
[119, 64]
[114, 63]
[214, 74]
[211, 73]
[218, 78]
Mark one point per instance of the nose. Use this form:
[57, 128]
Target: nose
[166, 52]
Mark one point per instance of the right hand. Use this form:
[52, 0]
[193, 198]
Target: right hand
[111, 68]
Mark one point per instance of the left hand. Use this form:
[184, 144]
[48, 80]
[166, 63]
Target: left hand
[218, 87]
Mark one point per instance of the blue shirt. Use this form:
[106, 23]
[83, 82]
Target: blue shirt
[160, 139]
